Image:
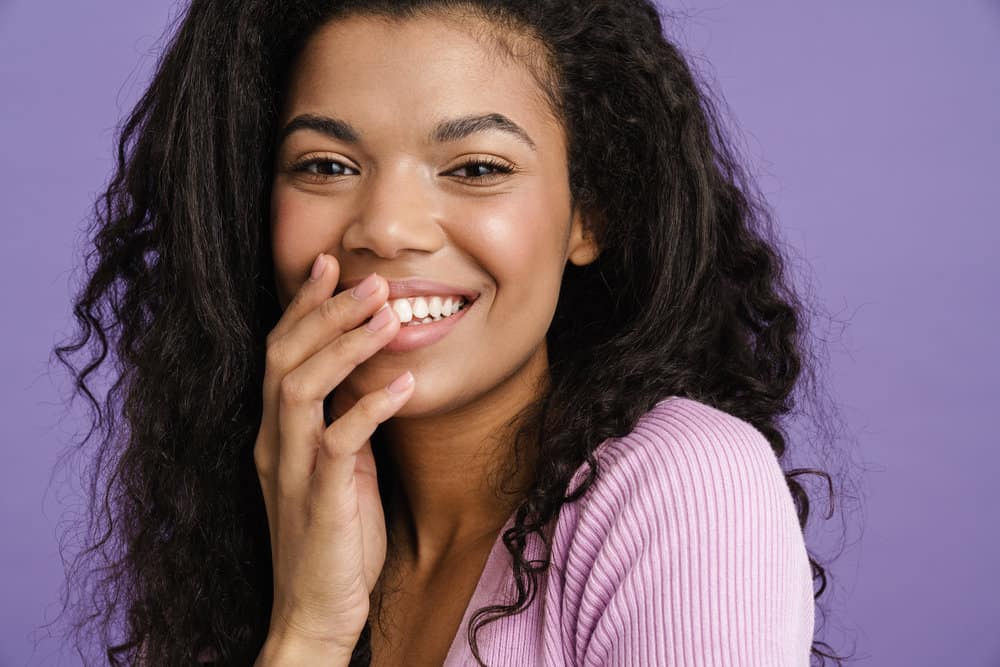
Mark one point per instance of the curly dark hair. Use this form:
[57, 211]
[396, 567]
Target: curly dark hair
[690, 296]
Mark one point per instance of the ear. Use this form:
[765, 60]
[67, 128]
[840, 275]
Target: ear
[582, 249]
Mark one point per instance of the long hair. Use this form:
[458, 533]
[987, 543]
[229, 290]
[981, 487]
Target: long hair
[690, 296]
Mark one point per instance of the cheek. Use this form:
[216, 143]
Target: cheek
[522, 248]
[522, 245]
[298, 235]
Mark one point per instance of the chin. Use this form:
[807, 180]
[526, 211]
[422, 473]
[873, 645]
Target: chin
[435, 399]
[365, 380]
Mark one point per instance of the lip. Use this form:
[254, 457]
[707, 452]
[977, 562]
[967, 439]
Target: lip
[407, 287]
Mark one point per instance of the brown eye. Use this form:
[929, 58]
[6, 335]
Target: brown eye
[479, 169]
[320, 167]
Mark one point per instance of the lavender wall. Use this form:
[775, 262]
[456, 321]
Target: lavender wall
[875, 131]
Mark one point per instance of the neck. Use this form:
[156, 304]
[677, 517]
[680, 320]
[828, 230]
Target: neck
[447, 499]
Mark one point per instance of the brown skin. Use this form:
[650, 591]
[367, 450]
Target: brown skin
[397, 204]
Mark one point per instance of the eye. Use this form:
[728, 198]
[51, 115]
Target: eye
[320, 167]
[476, 167]
[479, 168]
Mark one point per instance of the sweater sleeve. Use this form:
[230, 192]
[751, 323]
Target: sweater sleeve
[698, 557]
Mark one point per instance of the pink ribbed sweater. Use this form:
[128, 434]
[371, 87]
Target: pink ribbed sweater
[685, 552]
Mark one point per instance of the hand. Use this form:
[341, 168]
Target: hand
[327, 526]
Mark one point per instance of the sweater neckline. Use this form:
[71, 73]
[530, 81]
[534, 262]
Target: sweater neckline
[489, 584]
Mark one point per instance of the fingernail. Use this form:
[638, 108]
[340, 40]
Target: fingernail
[380, 319]
[319, 266]
[365, 288]
[401, 384]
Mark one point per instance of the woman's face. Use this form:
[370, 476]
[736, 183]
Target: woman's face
[382, 184]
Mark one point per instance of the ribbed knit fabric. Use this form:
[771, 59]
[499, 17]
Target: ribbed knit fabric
[685, 552]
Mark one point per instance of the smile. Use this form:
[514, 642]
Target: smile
[419, 310]
[421, 327]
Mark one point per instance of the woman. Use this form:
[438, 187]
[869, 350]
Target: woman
[451, 334]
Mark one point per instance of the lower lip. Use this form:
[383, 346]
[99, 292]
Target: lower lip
[421, 335]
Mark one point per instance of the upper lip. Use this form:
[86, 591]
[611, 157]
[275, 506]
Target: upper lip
[407, 287]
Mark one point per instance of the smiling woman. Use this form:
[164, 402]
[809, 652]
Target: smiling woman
[452, 334]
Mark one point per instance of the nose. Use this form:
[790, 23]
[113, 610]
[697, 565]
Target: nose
[397, 213]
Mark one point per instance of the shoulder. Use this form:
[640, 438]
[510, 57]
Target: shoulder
[683, 447]
[689, 523]
[686, 473]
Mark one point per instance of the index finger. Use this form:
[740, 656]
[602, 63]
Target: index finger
[311, 293]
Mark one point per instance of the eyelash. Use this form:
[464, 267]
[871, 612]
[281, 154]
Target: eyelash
[499, 167]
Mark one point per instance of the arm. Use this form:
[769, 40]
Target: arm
[701, 561]
[277, 653]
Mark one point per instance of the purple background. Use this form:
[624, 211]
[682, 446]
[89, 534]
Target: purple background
[874, 130]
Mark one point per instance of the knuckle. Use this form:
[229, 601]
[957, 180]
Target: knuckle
[350, 349]
[262, 461]
[293, 389]
[331, 310]
[329, 443]
[371, 407]
[276, 356]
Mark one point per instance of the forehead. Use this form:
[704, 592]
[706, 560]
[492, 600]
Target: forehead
[408, 74]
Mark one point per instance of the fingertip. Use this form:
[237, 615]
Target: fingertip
[333, 267]
[394, 321]
[323, 267]
[319, 267]
[401, 384]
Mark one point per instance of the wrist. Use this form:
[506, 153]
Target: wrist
[285, 651]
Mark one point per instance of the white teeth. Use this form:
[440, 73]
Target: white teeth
[434, 306]
[423, 310]
[420, 307]
[403, 309]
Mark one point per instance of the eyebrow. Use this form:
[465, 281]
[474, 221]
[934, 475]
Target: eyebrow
[452, 129]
